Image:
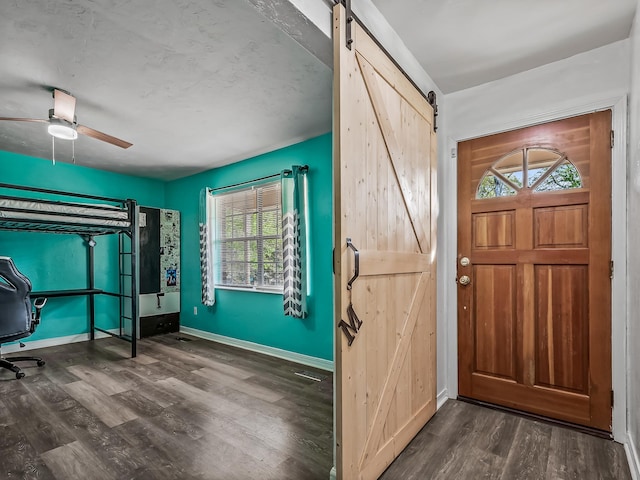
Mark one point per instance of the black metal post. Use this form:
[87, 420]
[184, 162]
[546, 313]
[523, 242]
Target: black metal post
[91, 273]
[134, 275]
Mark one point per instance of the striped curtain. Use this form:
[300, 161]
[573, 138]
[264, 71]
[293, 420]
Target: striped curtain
[294, 241]
[207, 225]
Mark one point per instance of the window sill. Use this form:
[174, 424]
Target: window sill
[249, 289]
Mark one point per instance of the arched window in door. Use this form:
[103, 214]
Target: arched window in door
[535, 169]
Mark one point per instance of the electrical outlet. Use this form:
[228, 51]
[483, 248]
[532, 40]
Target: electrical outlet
[195, 310]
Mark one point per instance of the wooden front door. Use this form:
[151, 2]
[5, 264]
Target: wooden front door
[534, 252]
[385, 197]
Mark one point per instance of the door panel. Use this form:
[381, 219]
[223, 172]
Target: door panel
[494, 229]
[495, 320]
[562, 327]
[534, 321]
[385, 197]
[557, 227]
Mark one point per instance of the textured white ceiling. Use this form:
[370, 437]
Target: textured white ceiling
[196, 84]
[463, 43]
[193, 84]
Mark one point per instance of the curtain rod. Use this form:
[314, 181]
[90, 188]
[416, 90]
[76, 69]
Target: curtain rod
[286, 171]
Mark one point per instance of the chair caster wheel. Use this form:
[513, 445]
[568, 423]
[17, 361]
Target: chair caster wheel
[19, 375]
[41, 363]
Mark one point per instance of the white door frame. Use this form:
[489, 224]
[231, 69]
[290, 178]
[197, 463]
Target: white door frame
[619, 318]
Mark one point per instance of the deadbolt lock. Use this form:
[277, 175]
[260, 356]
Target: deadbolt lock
[464, 261]
[464, 280]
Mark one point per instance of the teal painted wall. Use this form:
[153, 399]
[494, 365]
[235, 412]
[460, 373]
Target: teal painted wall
[54, 261]
[59, 261]
[252, 316]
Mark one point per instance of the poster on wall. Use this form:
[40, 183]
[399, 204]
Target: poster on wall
[172, 277]
[170, 250]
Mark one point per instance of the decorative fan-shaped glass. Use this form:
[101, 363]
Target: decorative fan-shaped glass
[534, 168]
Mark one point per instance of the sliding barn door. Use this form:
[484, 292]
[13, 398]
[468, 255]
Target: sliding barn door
[385, 239]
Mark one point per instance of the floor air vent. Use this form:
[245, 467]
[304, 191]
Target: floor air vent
[310, 375]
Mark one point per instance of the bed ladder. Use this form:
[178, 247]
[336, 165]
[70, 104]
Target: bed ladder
[125, 283]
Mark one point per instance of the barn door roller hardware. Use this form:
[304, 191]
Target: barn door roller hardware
[431, 98]
[347, 7]
[351, 328]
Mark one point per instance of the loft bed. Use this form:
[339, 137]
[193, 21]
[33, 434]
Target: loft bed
[88, 216]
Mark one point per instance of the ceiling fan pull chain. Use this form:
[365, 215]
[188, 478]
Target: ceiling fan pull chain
[53, 149]
[73, 151]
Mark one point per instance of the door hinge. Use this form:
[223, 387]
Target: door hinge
[611, 270]
[611, 398]
[612, 138]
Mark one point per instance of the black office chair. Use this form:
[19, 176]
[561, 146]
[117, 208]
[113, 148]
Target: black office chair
[17, 317]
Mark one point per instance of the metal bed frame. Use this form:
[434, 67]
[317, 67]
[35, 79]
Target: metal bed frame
[52, 221]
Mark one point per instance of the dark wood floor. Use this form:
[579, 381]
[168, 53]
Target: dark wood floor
[469, 442]
[199, 410]
[180, 410]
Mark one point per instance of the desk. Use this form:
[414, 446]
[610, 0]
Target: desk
[79, 292]
[66, 293]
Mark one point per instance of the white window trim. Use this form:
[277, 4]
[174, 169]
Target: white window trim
[277, 290]
[271, 291]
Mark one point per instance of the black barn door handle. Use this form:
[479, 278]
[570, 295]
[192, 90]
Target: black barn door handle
[356, 262]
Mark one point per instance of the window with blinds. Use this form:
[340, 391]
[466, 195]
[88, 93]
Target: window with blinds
[249, 238]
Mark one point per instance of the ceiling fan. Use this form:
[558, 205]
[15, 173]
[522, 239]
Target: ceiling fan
[63, 123]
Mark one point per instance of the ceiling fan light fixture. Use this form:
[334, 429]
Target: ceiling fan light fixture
[62, 129]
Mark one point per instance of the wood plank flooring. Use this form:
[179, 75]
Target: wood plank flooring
[180, 410]
[465, 441]
[200, 410]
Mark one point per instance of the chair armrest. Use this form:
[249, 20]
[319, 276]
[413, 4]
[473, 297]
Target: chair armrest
[38, 303]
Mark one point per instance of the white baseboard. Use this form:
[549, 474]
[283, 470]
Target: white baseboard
[308, 360]
[632, 457]
[443, 396]
[52, 342]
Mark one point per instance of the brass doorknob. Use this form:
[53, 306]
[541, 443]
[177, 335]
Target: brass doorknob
[464, 280]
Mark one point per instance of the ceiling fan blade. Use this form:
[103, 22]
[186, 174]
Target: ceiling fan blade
[64, 106]
[11, 119]
[90, 132]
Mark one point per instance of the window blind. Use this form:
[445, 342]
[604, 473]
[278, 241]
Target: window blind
[249, 237]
